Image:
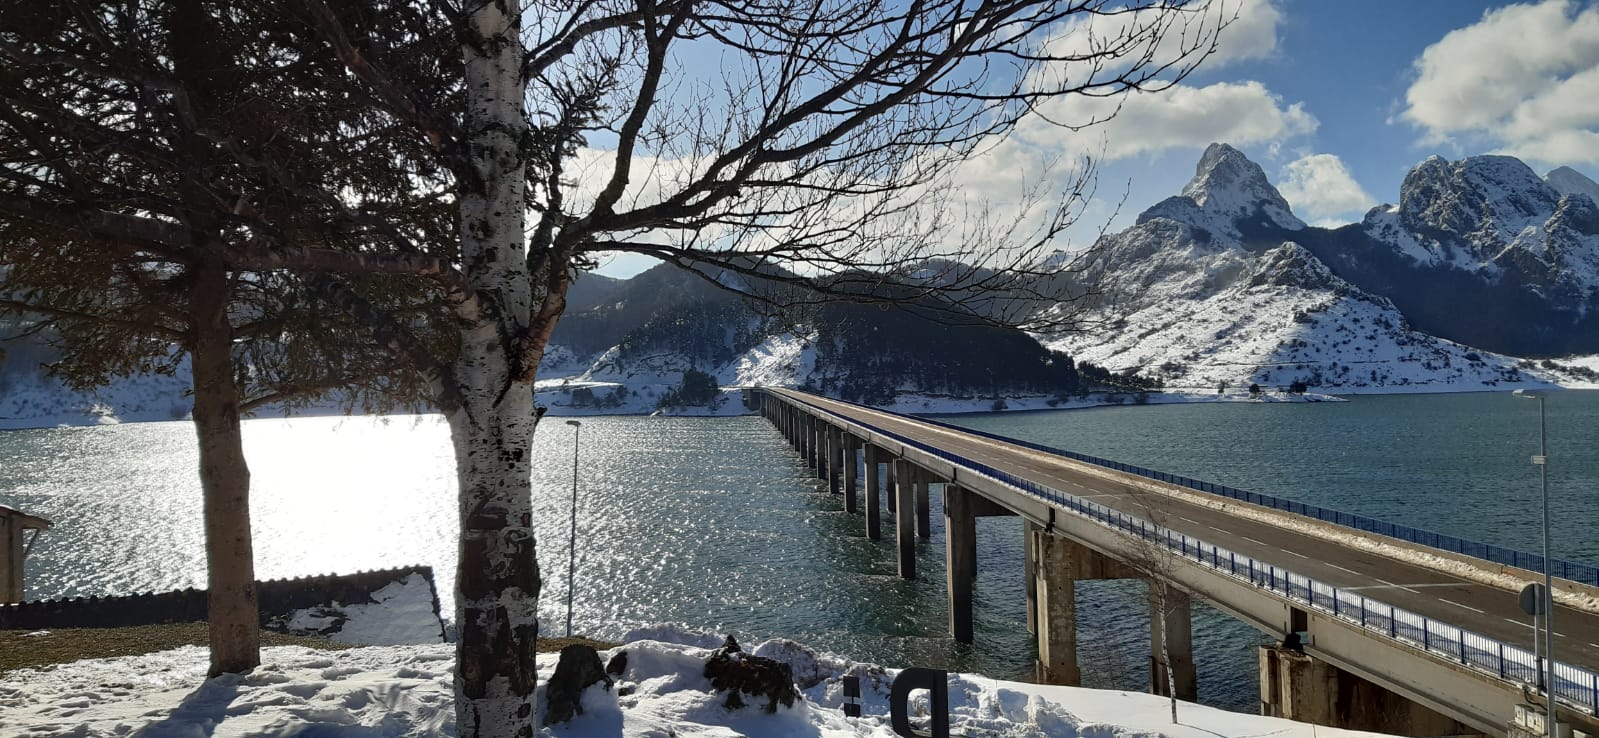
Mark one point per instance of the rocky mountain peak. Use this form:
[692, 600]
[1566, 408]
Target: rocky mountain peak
[1224, 177]
[1487, 195]
[1227, 189]
[1568, 181]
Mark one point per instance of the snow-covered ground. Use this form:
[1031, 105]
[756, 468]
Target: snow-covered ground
[407, 691]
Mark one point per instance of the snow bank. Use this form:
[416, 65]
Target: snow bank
[401, 613]
[407, 691]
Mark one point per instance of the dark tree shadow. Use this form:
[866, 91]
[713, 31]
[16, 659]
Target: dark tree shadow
[199, 713]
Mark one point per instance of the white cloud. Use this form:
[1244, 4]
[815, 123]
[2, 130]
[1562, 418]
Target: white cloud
[1238, 29]
[1319, 187]
[1251, 34]
[1525, 78]
[1239, 113]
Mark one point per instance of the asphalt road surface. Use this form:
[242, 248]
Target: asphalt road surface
[1440, 595]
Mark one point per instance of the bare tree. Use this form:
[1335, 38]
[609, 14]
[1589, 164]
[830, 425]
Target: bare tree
[1154, 558]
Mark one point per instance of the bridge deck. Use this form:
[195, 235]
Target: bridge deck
[1427, 591]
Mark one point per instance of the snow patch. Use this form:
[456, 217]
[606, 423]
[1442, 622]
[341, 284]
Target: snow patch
[408, 691]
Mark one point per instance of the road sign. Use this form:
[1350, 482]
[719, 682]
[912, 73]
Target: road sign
[1532, 599]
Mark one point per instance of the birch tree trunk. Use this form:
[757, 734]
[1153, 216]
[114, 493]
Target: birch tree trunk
[492, 417]
[232, 608]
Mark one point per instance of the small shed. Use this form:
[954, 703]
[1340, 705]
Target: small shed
[18, 531]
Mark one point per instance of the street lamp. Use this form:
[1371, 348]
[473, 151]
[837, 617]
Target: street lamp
[1542, 462]
[571, 546]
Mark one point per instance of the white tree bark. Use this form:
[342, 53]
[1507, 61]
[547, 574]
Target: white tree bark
[492, 419]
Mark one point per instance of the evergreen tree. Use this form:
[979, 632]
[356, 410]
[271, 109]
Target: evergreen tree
[158, 162]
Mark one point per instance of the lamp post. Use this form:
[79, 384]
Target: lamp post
[1542, 462]
[571, 546]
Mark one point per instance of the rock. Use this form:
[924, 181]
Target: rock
[808, 668]
[579, 667]
[729, 668]
[617, 665]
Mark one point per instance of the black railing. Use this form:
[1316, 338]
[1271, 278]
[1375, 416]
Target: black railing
[1574, 685]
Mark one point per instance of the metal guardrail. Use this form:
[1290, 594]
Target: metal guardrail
[1573, 570]
[1575, 686]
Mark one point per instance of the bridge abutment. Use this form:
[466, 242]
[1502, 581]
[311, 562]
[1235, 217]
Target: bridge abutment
[1301, 687]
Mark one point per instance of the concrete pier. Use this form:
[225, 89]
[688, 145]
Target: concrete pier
[904, 528]
[924, 512]
[1346, 674]
[960, 559]
[1055, 609]
[835, 459]
[962, 508]
[1176, 625]
[818, 446]
[874, 498]
[1054, 565]
[852, 467]
[890, 482]
[1300, 687]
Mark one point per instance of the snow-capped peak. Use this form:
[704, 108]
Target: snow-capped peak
[1227, 189]
[1568, 181]
[1478, 194]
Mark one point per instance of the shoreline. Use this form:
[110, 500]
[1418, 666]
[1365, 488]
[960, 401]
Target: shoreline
[730, 405]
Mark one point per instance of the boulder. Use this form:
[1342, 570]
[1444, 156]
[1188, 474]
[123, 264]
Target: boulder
[738, 673]
[579, 667]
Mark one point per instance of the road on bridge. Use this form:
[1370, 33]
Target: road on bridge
[1440, 595]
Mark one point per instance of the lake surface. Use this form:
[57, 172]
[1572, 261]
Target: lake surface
[713, 524]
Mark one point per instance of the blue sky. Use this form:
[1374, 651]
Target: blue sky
[1337, 100]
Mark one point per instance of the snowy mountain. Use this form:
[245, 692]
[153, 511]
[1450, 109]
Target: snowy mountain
[1481, 251]
[1228, 193]
[692, 331]
[1213, 287]
[1568, 181]
[1480, 260]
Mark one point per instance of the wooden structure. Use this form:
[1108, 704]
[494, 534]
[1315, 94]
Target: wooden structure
[16, 541]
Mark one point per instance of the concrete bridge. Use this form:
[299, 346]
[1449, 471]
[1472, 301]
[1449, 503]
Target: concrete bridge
[1394, 636]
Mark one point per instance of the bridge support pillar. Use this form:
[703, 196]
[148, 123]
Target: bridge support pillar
[891, 482]
[924, 506]
[1056, 564]
[852, 466]
[904, 531]
[962, 508]
[835, 457]
[1172, 624]
[874, 499]
[1054, 611]
[960, 559]
[803, 427]
[1029, 571]
[818, 446]
[1300, 687]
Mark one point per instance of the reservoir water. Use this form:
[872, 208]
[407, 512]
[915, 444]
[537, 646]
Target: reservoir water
[713, 524]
